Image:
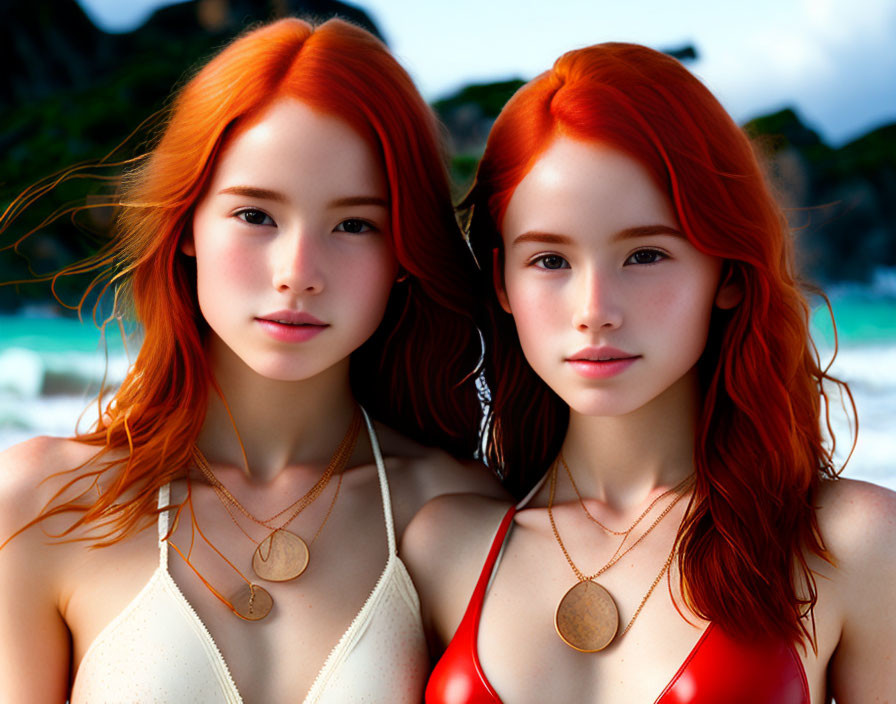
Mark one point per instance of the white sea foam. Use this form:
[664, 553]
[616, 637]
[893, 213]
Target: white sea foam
[22, 418]
[46, 392]
[21, 372]
[870, 372]
[29, 373]
[50, 393]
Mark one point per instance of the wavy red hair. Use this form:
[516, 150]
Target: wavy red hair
[427, 329]
[759, 451]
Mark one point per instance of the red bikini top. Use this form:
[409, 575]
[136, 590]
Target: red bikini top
[718, 669]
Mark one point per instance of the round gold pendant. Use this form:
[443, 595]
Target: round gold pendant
[280, 557]
[251, 602]
[587, 618]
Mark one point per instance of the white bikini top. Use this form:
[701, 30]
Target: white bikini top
[158, 650]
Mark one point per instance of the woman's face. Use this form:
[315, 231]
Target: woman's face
[611, 302]
[291, 239]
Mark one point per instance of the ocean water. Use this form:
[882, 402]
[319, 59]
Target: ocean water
[51, 369]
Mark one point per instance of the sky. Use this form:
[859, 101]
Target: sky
[833, 60]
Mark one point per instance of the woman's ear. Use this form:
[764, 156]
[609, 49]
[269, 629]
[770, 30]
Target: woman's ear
[731, 290]
[187, 246]
[498, 278]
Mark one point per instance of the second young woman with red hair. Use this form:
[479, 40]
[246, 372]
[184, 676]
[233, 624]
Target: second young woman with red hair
[655, 393]
[291, 254]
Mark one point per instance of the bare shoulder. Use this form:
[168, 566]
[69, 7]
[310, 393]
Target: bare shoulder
[28, 482]
[437, 473]
[444, 548]
[857, 521]
[44, 455]
[28, 476]
[34, 639]
[418, 473]
[454, 525]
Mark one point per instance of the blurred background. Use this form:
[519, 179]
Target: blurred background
[812, 81]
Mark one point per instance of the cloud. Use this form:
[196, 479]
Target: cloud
[835, 62]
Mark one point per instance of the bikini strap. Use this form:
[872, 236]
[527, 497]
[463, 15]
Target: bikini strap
[384, 484]
[522, 504]
[488, 569]
[164, 497]
[497, 550]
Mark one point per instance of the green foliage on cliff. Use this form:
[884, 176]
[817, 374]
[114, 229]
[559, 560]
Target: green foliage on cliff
[488, 97]
[844, 200]
[875, 151]
[130, 80]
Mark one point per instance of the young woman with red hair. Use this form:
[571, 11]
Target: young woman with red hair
[290, 251]
[655, 394]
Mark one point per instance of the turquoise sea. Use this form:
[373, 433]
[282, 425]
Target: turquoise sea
[51, 369]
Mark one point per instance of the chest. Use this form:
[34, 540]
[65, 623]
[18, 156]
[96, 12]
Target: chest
[548, 663]
[161, 618]
[661, 658]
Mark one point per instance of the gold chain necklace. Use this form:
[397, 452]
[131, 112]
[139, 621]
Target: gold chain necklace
[594, 519]
[341, 455]
[263, 549]
[251, 602]
[587, 618]
[282, 555]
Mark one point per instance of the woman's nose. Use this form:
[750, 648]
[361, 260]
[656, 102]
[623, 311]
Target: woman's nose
[297, 262]
[598, 305]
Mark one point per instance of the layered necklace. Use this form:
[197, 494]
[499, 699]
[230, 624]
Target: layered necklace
[587, 618]
[281, 555]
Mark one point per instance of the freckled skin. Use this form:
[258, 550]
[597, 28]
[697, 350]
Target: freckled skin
[650, 296]
[305, 251]
[295, 219]
[594, 261]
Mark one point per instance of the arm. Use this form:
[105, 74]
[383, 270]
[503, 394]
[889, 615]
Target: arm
[860, 530]
[444, 548]
[34, 640]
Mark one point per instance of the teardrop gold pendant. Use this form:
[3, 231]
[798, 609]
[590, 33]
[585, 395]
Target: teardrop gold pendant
[587, 618]
[280, 557]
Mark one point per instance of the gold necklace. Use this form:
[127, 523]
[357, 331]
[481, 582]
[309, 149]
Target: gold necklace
[587, 618]
[594, 519]
[251, 602]
[282, 555]
[262, 562]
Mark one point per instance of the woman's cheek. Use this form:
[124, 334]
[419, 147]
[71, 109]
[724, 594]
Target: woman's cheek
[537, 313]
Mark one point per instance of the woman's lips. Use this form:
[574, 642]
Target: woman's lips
[291, 326]
[601, 362]
[601, 370]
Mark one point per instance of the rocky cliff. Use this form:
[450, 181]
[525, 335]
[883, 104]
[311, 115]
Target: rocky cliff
[71, 93]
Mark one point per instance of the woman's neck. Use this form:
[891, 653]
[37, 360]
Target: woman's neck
[622, 460]
[279, 423]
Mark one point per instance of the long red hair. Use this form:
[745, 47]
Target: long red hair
[759, 451]
[427, 330]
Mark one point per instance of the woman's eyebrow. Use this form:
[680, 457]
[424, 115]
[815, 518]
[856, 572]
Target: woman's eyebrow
[647, 231]
[542, 237]
[253, 192]
[359, 200]
[276, 196]
[629, 232]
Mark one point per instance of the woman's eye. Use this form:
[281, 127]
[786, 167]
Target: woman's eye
[354, 226]
[551, 262]
[255, 217]
[646, 256]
